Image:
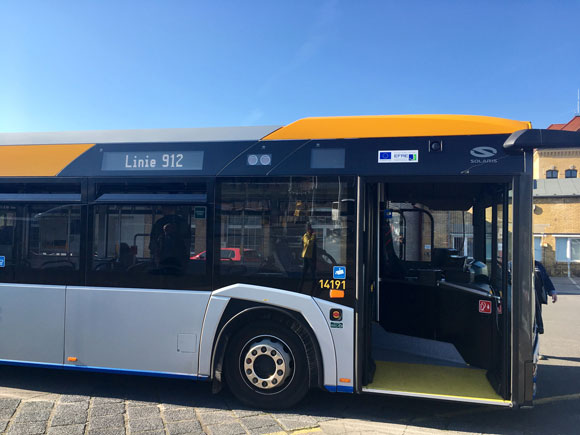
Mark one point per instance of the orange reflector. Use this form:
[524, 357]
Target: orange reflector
[72, 358]
[345, 380]
[336, 293]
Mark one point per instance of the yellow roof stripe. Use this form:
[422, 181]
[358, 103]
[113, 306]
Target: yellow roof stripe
[37, 160]
[340, 127]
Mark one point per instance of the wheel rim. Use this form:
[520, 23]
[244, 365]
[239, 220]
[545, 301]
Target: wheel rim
[266, 363]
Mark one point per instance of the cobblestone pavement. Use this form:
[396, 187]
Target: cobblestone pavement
[40, 401]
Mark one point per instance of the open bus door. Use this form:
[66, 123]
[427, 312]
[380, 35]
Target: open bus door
[436, 290]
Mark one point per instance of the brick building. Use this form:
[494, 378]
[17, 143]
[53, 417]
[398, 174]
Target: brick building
[557, 206]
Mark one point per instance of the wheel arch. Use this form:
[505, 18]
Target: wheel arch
[240, 312]
[298, 307]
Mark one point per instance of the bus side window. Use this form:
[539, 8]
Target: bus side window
[264, 240]
[40, 244]
[149, 246]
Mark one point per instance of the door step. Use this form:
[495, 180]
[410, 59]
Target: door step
[434, 381]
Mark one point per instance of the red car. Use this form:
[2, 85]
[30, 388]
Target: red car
[233, 254]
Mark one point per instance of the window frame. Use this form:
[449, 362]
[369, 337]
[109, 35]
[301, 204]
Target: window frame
[568, 173]
[550, 174]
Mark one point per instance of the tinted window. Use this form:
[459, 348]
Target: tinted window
[263, 223]
[330, 158]
[571, 173]
[40, 244]
[552, 173]
[160, 245]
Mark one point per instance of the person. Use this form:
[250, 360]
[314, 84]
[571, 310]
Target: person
[544, 288]
[308, 256]
[170, 240]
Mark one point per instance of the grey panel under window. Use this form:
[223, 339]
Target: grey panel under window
[40, 197]
[327, 158]
[144, 198]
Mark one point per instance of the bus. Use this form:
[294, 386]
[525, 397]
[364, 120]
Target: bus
[375, 254]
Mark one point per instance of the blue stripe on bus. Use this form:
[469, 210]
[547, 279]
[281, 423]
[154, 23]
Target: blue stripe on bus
[344, 389]
[339, 388]
[103, 370]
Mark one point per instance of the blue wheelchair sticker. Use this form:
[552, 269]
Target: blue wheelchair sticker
[339, 272]
[2, 261]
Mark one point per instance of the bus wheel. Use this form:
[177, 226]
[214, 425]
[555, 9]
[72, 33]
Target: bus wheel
[266, 366]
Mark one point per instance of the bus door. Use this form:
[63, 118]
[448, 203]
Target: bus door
[435, 291]
[369, 296]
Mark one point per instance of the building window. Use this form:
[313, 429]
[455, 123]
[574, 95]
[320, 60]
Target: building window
[538, 248]
[552, 173]
[571, 173]
[568, 249]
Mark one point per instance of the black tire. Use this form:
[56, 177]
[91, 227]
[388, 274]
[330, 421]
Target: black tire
[286, 392]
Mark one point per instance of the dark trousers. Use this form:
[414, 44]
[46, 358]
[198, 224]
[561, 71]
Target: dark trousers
[308, 268]
[539, 321]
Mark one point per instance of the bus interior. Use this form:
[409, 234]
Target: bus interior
[437, 321]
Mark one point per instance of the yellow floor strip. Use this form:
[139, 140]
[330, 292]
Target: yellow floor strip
[439, 381]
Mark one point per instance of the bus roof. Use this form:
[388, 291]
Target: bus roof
[345, 127]
[334, 127]
[164, 135]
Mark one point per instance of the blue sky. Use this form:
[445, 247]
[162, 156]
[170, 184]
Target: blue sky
[76, 65]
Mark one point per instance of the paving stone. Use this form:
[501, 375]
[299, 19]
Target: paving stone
[97, 401]
[31, 416]
[137, 403]
[105, 422]
[36, 406]
[241, 413]
[7, 412]
[225, 429]
[297, 422]
[266, 430]
[71, 429]
[150, 432]
[77, 406]
[179, 414]
[184, 427]
[209, 404]
[217, 417]
[107, 431]
[8, 403]
[66, 415]
[107, 409]
[143, 412]
[259, 421]
[26, 428]
[144, 424]
[3, 424]
[71, 398]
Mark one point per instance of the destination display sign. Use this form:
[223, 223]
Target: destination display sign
[153, 161]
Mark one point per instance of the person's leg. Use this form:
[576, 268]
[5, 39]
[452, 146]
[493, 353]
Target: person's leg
[539, 321]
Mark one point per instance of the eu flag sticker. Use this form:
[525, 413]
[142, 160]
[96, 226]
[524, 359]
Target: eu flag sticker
[2, 261]
[339, 272]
